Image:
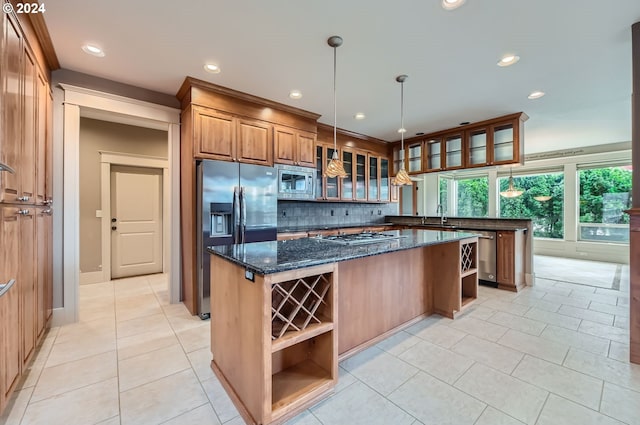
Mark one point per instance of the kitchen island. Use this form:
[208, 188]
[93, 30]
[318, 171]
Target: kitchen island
[284, 313]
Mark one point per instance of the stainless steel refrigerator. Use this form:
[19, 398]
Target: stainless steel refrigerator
[237, 203]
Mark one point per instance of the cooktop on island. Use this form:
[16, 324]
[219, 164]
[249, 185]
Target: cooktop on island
[359, 238]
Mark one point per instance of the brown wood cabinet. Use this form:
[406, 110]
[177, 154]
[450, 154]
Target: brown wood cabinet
[274, 365]
[10, 353]
[27, 167]
[11, 76]
[26, 146]
[27, 282]
[226, 137]
[510, 262]
[497, 141]
[294, 147]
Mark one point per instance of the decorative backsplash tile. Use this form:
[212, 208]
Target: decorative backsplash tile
[300, 213]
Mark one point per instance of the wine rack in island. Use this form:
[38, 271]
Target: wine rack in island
[282, 360]
[456, 262]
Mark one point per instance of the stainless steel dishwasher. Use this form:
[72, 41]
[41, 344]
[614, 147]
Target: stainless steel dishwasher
[486, 255]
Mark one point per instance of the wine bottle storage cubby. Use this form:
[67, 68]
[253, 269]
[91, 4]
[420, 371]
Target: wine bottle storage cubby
[297, 304]
[468, 257]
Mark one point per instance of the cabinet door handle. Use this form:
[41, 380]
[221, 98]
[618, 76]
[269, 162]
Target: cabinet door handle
[48, 211]
[499, 236]
[23, 212]
[24, 198]
[48, 201]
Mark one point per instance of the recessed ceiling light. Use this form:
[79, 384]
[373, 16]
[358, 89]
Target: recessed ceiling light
[402, 130]
[465, 123]
[360, 116]
[508, 60]
[452, 4]
[94, 50]
[295, 94]
[420, 133]
[536, 94]
[212, 68]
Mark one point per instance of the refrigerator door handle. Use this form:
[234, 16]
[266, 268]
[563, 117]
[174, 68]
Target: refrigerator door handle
[243, 214]
[236, 215]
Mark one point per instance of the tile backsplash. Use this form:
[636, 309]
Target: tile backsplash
[301, 213]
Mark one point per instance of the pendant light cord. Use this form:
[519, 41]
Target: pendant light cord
[335, 103]
[402, 122]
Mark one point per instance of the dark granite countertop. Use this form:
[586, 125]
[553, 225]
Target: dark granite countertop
[278, 256]
[485, 223]
[311, 228]
[470, 227]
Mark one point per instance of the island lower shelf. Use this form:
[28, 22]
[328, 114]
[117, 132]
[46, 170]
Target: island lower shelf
[276, 340]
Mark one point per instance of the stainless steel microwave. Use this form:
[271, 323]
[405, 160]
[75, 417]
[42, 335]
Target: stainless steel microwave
[295, 182]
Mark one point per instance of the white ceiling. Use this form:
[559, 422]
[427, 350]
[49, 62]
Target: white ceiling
[577, 51]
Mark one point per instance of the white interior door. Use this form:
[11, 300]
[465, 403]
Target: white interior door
[136, 221]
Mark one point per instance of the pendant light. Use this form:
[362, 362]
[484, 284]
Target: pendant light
[401, 178]
[542, 198]
[335, 168]
[511, 191]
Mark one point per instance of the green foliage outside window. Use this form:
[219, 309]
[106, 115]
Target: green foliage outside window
[473, 197]
[604, 195]
[547, 216]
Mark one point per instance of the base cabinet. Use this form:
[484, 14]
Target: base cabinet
[274, 341]
[10, 353]
[510, 260]
[25, 307]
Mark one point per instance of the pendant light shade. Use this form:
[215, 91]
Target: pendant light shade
[511, 191]
[335, 167]
[401, 178]
[542, 198]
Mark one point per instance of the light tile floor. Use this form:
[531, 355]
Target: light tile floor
[553, 354]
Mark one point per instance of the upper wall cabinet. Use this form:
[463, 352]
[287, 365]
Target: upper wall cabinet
[497, 141]
[366, 162]
[224, 124]
[222, 136]
[496, 144]
[294, 147]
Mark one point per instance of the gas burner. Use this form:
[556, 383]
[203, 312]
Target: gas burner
[360, 238]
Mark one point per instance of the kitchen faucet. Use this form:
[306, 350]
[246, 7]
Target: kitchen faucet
[440, 211]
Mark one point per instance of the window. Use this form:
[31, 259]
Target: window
[542, 201]
[473, 197]
[604, 195]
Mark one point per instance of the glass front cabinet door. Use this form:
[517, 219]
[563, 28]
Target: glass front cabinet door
[503, 144]
[434, 155]
[373, 178]
[477, 154]
[453, 151]
[415, 158]
[361, 176]
[326, 188]
[384, 180]
[347, 182]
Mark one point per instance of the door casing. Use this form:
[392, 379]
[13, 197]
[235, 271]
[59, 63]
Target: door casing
[107, 159]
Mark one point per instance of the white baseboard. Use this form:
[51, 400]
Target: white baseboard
[91, 277]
